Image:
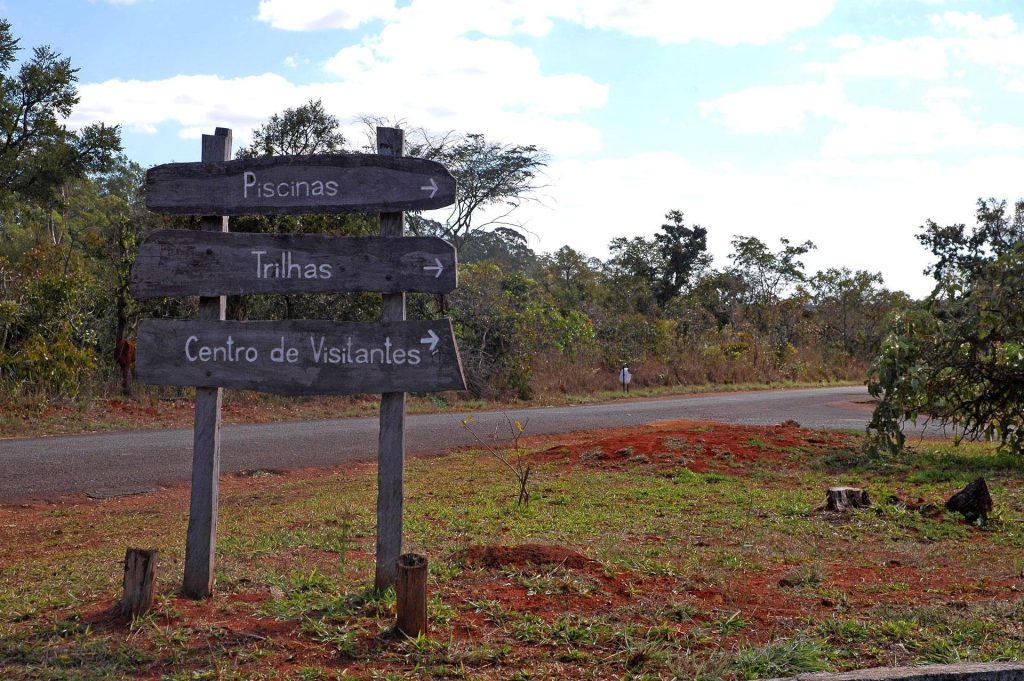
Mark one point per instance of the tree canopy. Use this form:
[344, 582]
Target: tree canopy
[493, 178]
[38, 154]
[958, 358]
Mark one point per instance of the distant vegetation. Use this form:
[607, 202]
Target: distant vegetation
[72, 216]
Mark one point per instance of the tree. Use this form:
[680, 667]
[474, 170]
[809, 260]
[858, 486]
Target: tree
[768, 274]
[504, 246]
[958, 358]
[38, 154]
[663, 265]
[682, 252]
[850, 309]
[306, 129]
[493, 178]
[572, 279]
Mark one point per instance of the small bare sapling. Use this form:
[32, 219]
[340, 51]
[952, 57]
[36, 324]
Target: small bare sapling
[513, 458]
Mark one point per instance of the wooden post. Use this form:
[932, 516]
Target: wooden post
[391, 445]
[139, 572]
[200, 546]
[411, 594]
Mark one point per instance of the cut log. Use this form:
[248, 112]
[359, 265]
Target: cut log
[974, 502]
[139, 573]
[843, 498]
[411, 594]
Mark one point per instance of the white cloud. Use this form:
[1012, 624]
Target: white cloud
[939, 123]
[942, 117]
[724, 22]
[778, 107]
[962, 39]
[190, 101]
[861, 214]
[847, 41]
[470, 101]
[921, 58]
[310, 15]
[973, 24]
[469, 75]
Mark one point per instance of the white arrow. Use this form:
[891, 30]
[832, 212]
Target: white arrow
[437, 268]
[431, 339]
[432, 188]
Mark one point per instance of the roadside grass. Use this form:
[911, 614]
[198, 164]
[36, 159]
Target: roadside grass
[728, 574]
[156, 407]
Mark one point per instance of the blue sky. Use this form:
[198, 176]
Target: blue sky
[846, 122]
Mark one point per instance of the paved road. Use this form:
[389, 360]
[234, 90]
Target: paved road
[125, 463]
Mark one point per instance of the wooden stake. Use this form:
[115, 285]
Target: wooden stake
[139, 573]
[391, 445]
[411, 594]
[200, 546]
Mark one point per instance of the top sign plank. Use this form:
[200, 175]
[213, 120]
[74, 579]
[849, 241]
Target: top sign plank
[291, 185]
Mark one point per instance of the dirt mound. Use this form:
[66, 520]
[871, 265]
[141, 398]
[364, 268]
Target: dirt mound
[523, 554]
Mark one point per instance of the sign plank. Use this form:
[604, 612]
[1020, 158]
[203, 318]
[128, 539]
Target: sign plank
[183, 262]
[290, 185]
[301, 357]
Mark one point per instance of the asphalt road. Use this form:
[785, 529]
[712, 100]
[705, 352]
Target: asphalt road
[127, 463]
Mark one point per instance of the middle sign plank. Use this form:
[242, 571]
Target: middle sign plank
[301, 357]
[183, 262]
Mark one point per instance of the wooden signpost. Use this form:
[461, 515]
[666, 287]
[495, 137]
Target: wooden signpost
[294, 185]
[174, 262]
[201, 540]
[296, 357]
[301, 357]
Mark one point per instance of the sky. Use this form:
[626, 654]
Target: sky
[844, 122]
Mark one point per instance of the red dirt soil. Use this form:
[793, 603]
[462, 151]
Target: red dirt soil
[701, 447]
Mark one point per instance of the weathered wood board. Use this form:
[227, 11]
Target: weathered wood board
[301, 357]
[175, 262]
[280, 185]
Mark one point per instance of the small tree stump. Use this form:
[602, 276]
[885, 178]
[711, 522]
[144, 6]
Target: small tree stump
[973, 501]
[843, 498]
[411, 594]
[139, 573]
[124, 355]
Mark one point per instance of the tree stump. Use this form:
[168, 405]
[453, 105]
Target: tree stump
[844, 498]
[139, 573]
[411, 594]
[974, 502]
[124, 355]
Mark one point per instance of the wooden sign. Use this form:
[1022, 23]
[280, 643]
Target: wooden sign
[183, 263]
[301, 357]
[329, 183]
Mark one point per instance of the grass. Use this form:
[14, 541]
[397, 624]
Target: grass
[702, 575]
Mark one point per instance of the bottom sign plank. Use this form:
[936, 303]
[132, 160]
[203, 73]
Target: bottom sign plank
[301, 357]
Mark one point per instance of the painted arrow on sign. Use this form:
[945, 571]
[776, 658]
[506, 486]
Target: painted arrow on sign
[176, 262]
[437, 267]
[431, 339]
[327, 183]
[301, 357]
